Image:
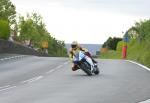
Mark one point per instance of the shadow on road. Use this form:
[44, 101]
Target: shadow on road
[101, 76]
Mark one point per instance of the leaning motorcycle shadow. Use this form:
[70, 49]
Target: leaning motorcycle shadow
[80, 74]
[102, 75]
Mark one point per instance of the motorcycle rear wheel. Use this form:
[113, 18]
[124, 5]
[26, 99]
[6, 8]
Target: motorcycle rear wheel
[86, 69]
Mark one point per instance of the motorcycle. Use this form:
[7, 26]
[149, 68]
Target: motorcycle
[85, 63]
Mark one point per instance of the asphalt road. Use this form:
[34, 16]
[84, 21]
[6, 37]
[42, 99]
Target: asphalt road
[34, 79]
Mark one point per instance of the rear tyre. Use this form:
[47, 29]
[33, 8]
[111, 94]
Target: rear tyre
[86, 68]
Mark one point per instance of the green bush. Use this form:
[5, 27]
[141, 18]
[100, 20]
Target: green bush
[119, 46]
[139, 52]
[4, 30]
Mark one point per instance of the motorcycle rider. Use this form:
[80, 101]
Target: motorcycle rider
[75, 47]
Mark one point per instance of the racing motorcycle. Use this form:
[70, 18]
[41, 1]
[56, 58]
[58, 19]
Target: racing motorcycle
[85, 63]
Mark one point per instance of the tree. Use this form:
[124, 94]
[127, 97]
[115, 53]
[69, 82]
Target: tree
[115, 42]
[111, 43]
[133, 33]
[7, 11]
[143, 28]
[31, 29]
[4, 29]
[140, 31]
[34, 30]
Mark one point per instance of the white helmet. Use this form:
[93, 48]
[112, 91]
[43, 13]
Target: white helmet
[74, 44]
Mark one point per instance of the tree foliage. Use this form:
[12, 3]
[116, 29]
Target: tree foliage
[7, 11]
[111, 43]
[57, 48]
[4, 29]
[33, 29]
[140, 31]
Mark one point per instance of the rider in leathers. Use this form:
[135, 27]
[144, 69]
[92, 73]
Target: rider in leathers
[75, 47]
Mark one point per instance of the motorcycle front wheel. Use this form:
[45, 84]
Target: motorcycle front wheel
[97, 71]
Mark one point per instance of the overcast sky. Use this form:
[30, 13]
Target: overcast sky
[86, 21]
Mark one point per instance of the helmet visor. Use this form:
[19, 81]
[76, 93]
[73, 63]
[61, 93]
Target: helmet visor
[73, 46]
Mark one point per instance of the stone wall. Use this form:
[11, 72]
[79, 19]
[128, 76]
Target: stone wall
[15, 48]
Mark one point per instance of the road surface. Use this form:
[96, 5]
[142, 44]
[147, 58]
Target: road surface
[31, 79]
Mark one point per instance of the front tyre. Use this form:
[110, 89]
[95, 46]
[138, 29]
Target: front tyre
[97, 71]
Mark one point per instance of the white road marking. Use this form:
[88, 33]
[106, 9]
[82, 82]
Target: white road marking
[66, 62]
[139, 65]
[39, 77]
[5, 86]
[50, 71]
[26, 80]
[29, 80]
[147, 101]
[32, 80]
[2, 59]
[36, 79]
[59, 67]
[8, 88]
[11, 57]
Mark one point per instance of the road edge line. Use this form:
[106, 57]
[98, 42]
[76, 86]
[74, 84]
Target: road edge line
[146, 101]
[143, 66]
